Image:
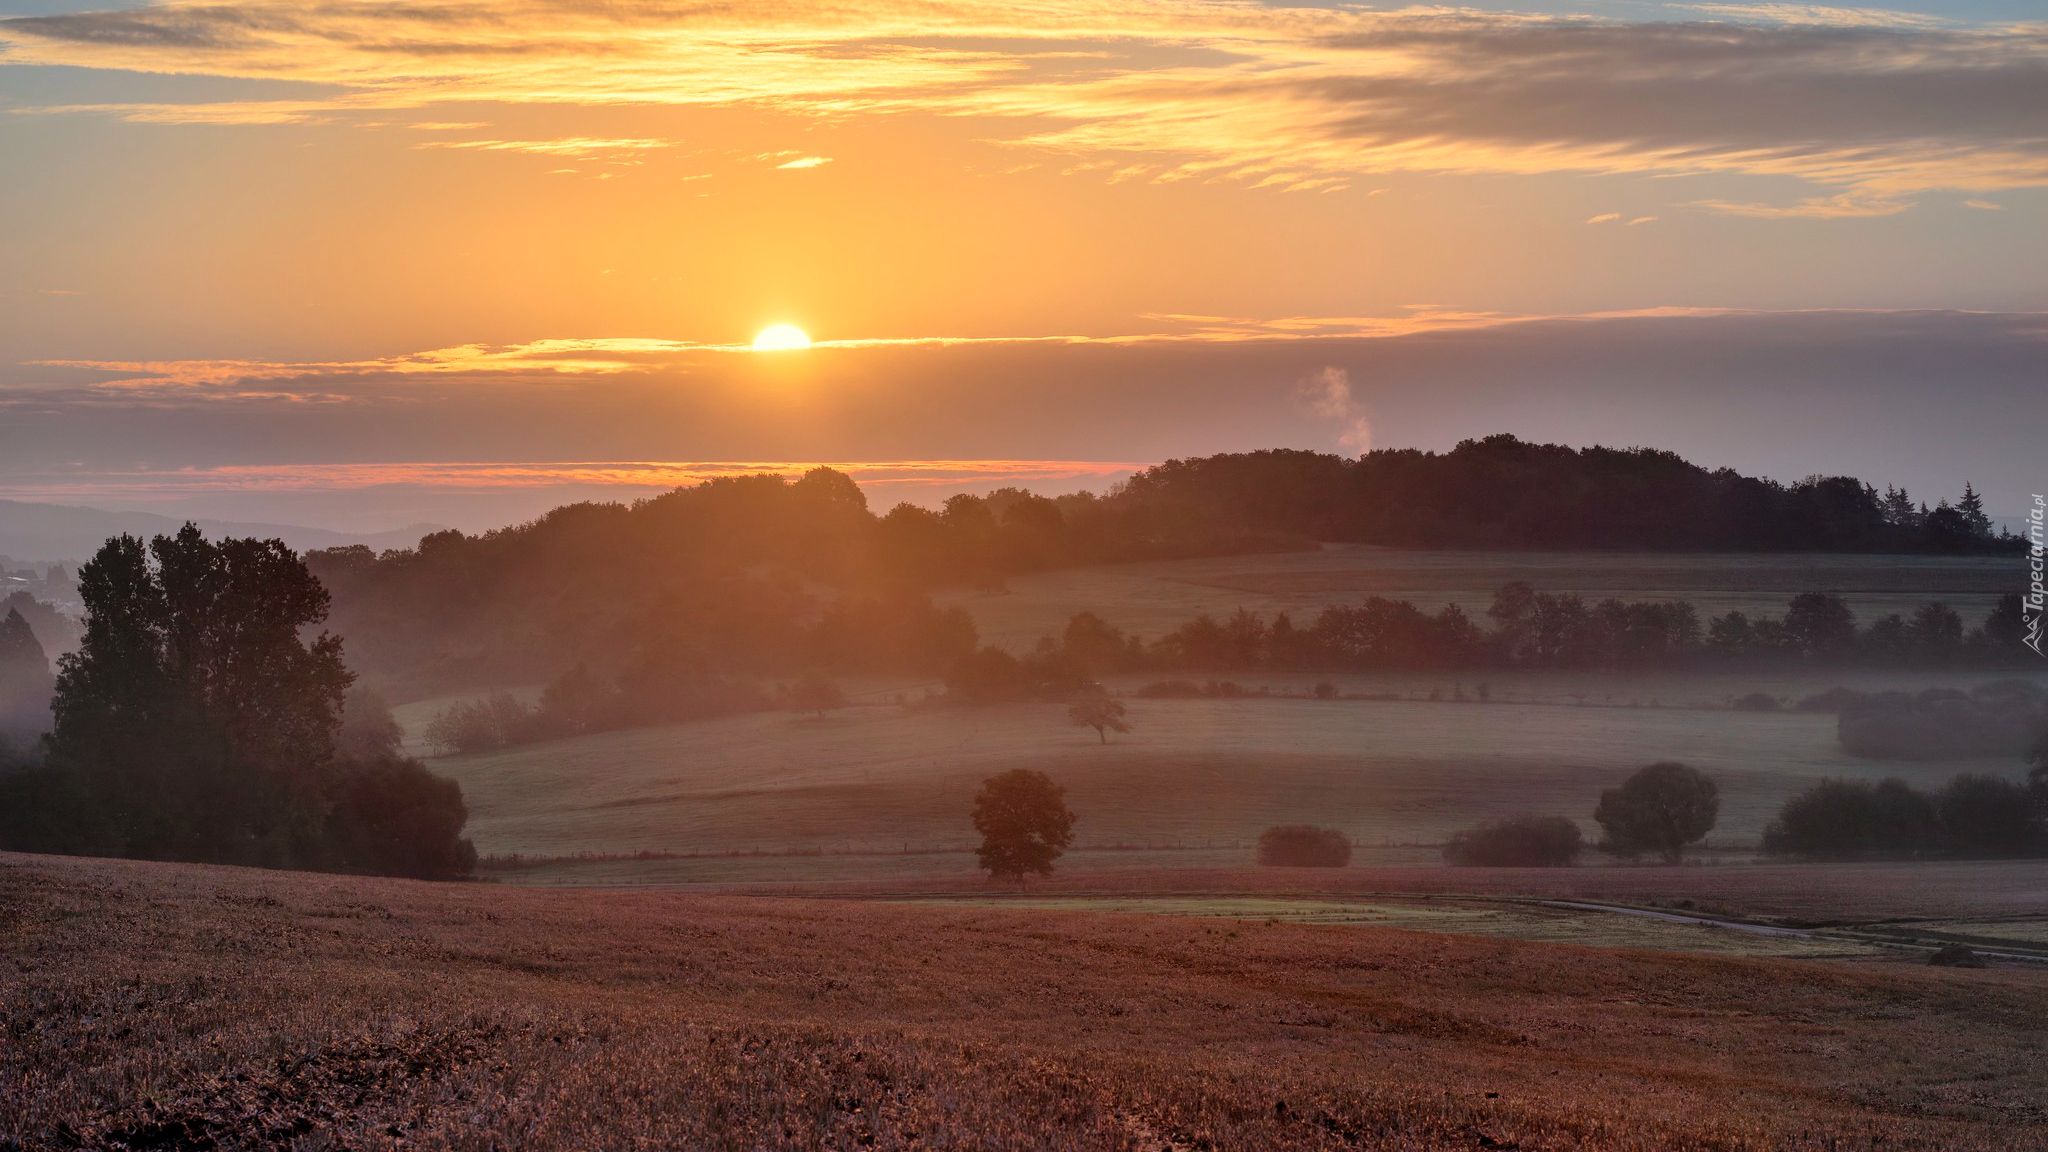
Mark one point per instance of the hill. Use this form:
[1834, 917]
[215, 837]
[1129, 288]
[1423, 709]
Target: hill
[46, 532]
[172, 1006]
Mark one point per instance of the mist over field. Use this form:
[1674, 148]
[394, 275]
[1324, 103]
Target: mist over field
[1127, 575]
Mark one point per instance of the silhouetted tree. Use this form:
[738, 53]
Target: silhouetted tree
[195, 723]
[25, 681]
[1819, 624]
[1661, 808]
[1100, 711]
[578, 701]
[1988, 816]
[1024, 824]
[1518, 842]
[1303, 846]
[1853, 819]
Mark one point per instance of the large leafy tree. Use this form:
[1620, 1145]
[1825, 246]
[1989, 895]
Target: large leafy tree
[1024, 824]
[1660, 808]
[194, 717]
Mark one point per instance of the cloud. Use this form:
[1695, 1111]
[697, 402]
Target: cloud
[474, 476]
[1846, 206]
[570, 146]
[1603, 218]
[805, 162]
[1869, 107]
[1984, 205]
[1640, 220]
[1896, 397]
[1328, 395]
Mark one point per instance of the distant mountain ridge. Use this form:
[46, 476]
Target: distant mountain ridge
[44, 533]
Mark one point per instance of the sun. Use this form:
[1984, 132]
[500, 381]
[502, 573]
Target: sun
[781, 338]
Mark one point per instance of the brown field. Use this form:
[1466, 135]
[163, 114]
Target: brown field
[1155, 597]
[188, 1007]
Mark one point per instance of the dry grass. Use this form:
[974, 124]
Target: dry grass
[173, 1006]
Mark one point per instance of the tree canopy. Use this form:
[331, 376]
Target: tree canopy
[197, 722]
[1660, 808]
[1024, 824]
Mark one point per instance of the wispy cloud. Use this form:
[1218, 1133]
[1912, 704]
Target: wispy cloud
[480, 476]
[1869, 107]
[806, 162]
[172, 382]
[569, 146]
[1603, 218]
[1984, 205]
[1845, 206]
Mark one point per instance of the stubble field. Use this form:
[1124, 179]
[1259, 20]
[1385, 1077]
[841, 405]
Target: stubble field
[176, 1006]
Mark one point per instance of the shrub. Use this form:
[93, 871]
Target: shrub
[1324, 690]
[392, 817]
[1851, 819]
[479, 725]
[1988, 816]
[814, 694]
[1938, 724]
[1303, 846]
[1661, 808]
[1518, 842]
[1756, 702]
[1170, 689]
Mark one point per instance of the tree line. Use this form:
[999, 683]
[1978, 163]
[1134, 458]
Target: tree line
[743, 573]
[1522, 628]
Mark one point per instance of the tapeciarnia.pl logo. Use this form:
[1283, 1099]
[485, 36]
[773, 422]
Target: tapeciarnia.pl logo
[2033, 603]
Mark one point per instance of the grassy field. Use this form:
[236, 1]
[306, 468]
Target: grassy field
[1154, 598]
[1192, 772]
[170, 1006]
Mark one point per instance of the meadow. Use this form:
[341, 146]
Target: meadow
[1191, 773]
[187, 1007]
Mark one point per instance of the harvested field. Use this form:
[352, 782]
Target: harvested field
[175, 1006]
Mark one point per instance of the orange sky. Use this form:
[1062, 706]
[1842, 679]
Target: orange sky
[228, 209]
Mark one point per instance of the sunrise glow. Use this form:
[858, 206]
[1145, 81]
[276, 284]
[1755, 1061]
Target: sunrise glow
[781, 338]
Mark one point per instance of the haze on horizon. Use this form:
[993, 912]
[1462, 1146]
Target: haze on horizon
[368, 263]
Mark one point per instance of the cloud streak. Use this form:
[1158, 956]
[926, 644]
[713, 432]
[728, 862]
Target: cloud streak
[1868, 107]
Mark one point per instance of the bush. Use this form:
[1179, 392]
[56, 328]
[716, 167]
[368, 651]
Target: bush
[1518, 842]
[1988, 816]
[1303, 846]
[1852, 820]
[1661, 808]
[392, 817]
[1756, 702]
[479, 725]
[1938, 724]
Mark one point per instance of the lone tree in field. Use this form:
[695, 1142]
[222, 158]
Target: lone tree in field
[1661, 809]
[1098, 711]
[1024, 824]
